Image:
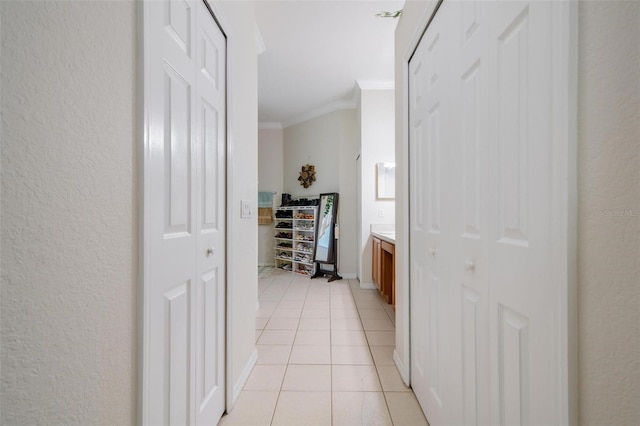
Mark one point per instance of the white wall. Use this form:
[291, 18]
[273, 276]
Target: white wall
[69, 213]
[69, 209]
[315, 142]
[243, 172]
[270, 171]
[347, 210]
[377, 127]
[608, 182]
[609, 185]
[331, 143]
[328, 142]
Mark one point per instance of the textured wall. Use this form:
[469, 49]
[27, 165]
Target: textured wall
[609, 213]
[68, 213]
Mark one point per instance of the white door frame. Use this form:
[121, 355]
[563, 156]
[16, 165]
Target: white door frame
[358, 161]
[143, 275]
[564, 195]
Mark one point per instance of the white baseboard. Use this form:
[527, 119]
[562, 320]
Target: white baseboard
[349, 275]
[368, 286]
[237, 387]
[404, 371]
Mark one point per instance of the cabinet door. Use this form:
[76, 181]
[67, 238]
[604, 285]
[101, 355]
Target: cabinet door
[387, 272]
[376, 263]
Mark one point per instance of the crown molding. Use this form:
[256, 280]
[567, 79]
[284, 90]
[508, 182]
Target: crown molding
[266, 125]
[376, 85]
[315, 113]
[338, 105]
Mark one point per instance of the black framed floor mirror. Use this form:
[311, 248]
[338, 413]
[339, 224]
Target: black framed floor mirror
[326, 247]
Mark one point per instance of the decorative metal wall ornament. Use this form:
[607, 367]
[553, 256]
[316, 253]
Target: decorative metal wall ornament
[385, 14]
[307, 175]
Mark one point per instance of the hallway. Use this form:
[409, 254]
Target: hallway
[325, 358]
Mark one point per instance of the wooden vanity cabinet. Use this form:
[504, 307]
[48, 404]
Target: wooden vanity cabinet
[376, 262]
[384, 268]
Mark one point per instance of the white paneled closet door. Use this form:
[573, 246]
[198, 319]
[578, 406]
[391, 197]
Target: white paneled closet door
[487, 173]
[524, 299]
[469, 167]
[434, 365]
[184, 214]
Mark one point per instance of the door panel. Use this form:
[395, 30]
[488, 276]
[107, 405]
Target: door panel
[469, 167]
[471, 390]
[434, 300]
[209, 129]
[514, 370]
[178, 18]
[513, 98]
[523, 302]
[211, 141]
[184, 178]
[177, 355]
[471, 150]
[433, 364]
[417, 227]
[177, 152]
[485, 306]
[434, 180]
[169, 216]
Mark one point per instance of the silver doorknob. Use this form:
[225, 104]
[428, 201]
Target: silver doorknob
[469, 266]
[432, 251]
[210, 252]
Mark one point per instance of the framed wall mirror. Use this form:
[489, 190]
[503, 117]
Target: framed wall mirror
[325, 239]
[386, 181]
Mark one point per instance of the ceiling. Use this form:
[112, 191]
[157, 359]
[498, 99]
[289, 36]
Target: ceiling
[316, 50]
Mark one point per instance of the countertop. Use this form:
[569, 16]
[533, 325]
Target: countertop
[389, 237]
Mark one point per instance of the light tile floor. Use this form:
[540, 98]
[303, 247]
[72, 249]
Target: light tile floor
[325, 357]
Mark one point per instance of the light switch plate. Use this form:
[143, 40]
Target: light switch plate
[245, 209]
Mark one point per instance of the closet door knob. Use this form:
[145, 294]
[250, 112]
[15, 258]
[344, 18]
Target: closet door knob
[210, 252]
[469, 266]
[432, 251]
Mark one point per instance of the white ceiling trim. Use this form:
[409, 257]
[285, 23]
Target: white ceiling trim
[315, 113]
[265, 125]
[338, 105]
[376, 85]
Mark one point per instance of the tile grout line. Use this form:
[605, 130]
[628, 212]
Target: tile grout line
[384, 394]
[275, 407]
[330, 362]
[331, 297]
